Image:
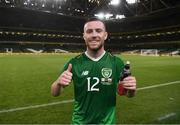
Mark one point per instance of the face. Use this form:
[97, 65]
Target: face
[94, 35]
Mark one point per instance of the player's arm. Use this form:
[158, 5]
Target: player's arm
[63, 80]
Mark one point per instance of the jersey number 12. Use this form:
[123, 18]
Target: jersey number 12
[93, 86]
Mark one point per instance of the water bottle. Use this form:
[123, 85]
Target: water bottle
[126, 71]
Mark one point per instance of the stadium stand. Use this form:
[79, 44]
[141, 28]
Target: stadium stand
[22, 28]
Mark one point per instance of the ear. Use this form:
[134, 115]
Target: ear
[83, 36]
[106, 35]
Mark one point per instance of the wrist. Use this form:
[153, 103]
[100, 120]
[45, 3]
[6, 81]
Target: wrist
[58, 83]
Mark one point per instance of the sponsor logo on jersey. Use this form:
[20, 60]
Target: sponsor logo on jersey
[106, 73]
[106, 81]
[85, 73]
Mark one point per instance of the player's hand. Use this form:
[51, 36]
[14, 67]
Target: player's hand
[66, 77]
[129, 83]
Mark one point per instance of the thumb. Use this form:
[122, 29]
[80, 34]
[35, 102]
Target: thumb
[69, 68]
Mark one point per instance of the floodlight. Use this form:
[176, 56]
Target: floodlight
[43, 5]
[120, 16]
[25, 3]
[108, 15]
[100, 15]
[114, 2]
[7, 1]
[131, 1]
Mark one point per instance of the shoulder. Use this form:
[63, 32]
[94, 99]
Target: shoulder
[76, 59]
[115, 58]
[79, 56]
[73, 61]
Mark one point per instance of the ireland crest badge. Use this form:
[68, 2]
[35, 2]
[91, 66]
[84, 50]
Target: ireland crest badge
[106, 73]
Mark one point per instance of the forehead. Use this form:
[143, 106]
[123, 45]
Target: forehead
[94, 25]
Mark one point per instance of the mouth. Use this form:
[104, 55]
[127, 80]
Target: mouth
[94, 41]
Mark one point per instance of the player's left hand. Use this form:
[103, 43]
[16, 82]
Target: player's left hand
[129, 83]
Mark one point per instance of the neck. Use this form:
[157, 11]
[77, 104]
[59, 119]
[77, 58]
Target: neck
[95, 54]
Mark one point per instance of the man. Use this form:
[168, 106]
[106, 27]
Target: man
[95, 75]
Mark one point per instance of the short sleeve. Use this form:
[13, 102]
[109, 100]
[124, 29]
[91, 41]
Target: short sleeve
[119, 67]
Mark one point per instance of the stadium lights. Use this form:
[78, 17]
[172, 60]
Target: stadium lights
[108, 16]
[100, 15]
[104, 16]
[7, 1]
[25, 3]
[39, 34]
[158, 34]
[24, 34]
[149, 34]
[120, 16]
[114, 2]
[78, 10]
[94, 1]
[34, 34]
[43, 5]
[131, 1]
[13, 33]
[7, 33]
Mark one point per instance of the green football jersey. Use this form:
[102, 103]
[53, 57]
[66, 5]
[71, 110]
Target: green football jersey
[95, 86]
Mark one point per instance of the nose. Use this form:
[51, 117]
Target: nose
[94, 33]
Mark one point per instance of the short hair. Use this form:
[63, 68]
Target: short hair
[95, 19]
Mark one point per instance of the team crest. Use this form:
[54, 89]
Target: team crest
[106, 72]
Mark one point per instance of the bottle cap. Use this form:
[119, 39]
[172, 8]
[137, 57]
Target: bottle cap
[128, 62]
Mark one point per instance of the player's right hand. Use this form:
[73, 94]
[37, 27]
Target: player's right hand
[66, 77]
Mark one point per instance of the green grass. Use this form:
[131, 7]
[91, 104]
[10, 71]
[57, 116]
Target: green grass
[25, 80]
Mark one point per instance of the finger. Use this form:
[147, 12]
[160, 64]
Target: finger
[65, 81]
[69, 68]
[130, 77]
[129, 84]
[68, 77]
[130, 88]
[68, 73]
[129, 81]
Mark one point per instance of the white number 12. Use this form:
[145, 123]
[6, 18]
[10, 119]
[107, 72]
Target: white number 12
[93, 87]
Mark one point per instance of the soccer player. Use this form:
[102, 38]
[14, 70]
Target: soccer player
[96, 77]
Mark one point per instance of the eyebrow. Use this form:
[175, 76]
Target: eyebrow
[97, 29]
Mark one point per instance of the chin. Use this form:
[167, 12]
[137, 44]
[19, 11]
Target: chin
[95, 48]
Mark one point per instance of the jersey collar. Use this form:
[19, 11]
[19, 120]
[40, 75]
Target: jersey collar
[95, 59]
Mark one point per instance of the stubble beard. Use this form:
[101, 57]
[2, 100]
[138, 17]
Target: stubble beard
[99, 47]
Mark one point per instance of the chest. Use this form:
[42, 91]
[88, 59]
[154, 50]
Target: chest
[95, 76]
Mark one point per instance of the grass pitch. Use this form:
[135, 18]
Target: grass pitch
[25, 81]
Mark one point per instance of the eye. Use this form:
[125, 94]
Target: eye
[99, 30]
[89, 31]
